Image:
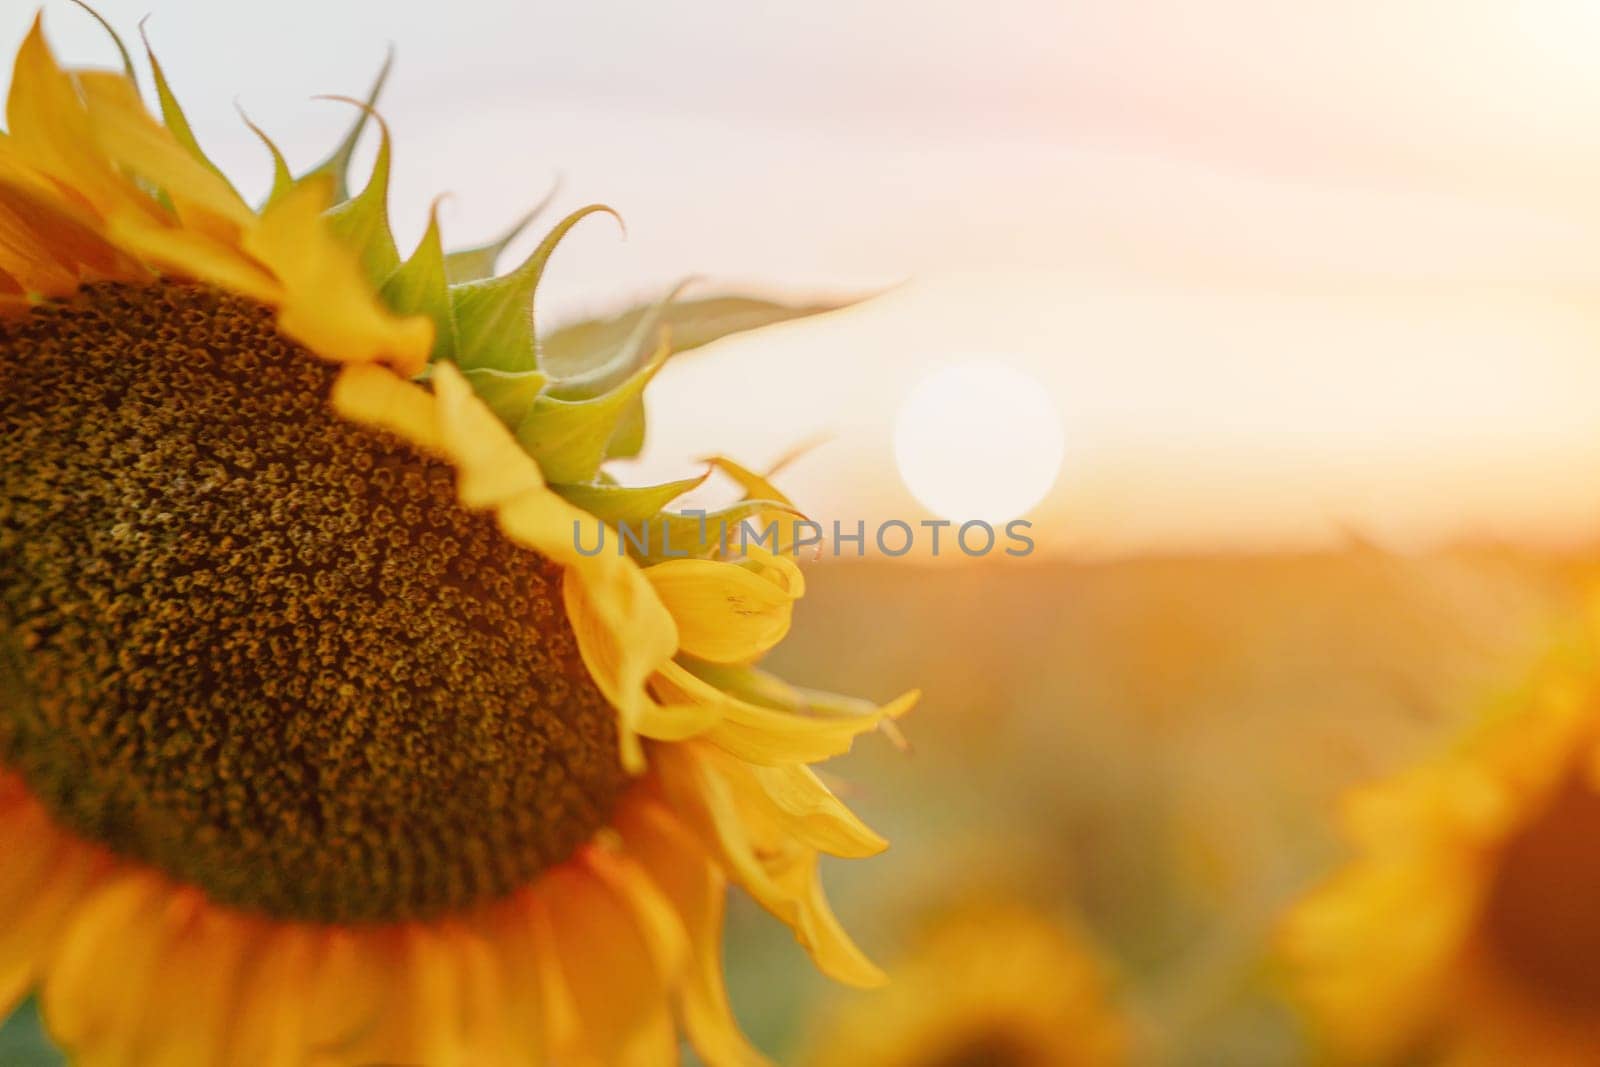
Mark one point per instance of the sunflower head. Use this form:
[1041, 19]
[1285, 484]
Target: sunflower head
[1465, 927]
[317, 715]
[994, 983]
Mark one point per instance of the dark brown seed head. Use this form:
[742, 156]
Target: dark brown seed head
[263, 649]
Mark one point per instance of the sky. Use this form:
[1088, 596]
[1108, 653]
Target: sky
[1287, 274]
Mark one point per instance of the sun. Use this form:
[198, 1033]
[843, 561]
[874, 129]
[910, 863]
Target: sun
[979, 440]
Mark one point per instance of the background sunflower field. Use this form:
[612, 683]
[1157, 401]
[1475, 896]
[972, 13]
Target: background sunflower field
[1305, 292]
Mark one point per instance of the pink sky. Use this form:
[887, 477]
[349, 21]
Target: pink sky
[1285, 270]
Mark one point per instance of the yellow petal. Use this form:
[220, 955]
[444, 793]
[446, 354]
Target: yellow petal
[677, 722]
[132, 139]
[85, 999]
[726, 613]
[41, 230]
[375, 397]
[348, 989]
[811, 813]
[735, 819]
[41, 883]
[328, 304]
[601, 950]
[49, 129]
[559, 1019]
[195, 255]
[26, 257]
[773, 736]
[678, 864]
[270, 1018]
[652, 913]
[189, 1021]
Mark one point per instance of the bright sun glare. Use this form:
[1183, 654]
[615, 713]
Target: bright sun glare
[978, 440]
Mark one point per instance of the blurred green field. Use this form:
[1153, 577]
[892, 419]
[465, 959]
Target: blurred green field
[1156, 743]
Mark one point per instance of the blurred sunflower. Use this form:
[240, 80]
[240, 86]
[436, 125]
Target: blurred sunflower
[1467, 927]
[321, 740]
[991, 985]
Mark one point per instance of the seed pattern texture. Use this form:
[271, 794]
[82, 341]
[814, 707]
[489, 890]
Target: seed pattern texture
[261, 648]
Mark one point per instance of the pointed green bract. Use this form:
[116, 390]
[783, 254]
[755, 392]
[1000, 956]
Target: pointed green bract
[494, 316]
[627, 440]
[627, 504]
[510, 395]
[172, 116]
[362, 221]
[569, 437]
[605, 371]
[754, 485]
[116, 39]
[472, 264]
[338, 163]
[418, 287]
[282, 177]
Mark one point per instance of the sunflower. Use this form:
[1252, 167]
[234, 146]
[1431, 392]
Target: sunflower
[992, 984]
[1466, 929]
[324, 736]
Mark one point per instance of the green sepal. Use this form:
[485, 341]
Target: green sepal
[627, 441]
[495, 316]
[362, 222]
[510, 395]
[754, 485]
[473, 264]
[418, 287]
[282, 176]
[172, 116]
[627, 436]
[612, 503]
[569, 437]
[338, 163]
[116, 39]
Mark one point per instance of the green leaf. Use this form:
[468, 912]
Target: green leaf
[471, 264]
[629, 504]
[569, 437]
[494, 316]
[588, 357]
[575, 349]
[362, 222]
[610, 368]
[23, 1041]
[419, 288]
